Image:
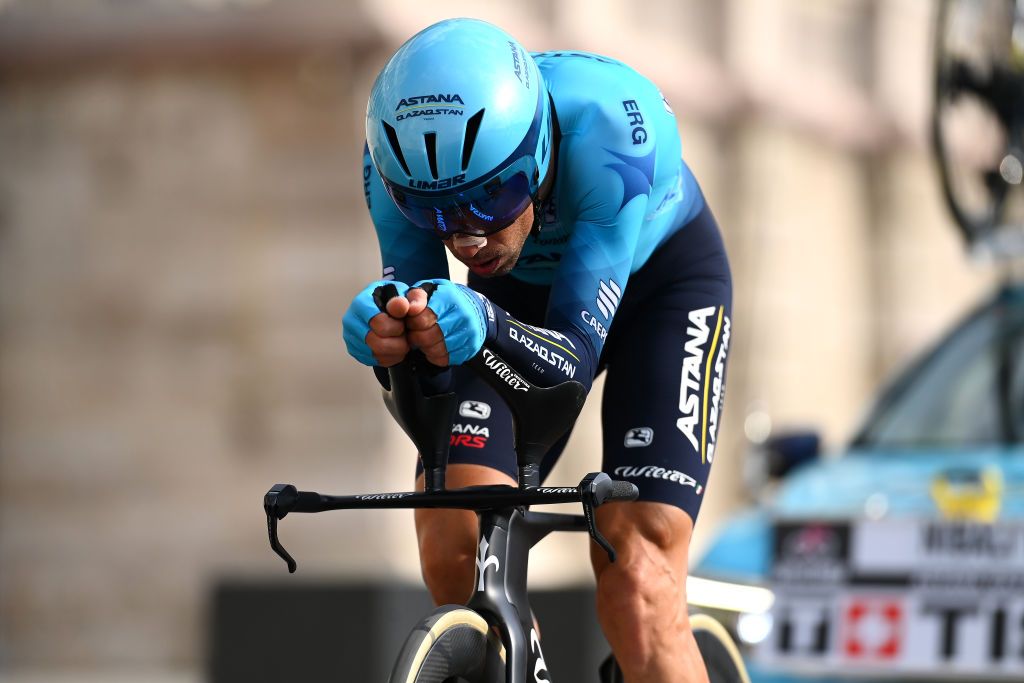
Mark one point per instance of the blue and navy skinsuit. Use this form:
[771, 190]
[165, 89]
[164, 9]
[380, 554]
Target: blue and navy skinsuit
[627, 274]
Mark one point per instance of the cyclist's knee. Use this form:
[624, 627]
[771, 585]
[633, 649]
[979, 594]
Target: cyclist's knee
[447, 538]
[644, 531]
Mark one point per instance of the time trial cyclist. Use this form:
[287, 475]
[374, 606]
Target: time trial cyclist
[557, 179]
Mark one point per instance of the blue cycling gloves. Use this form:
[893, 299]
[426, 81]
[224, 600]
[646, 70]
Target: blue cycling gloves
[356, 323]
[461, 315]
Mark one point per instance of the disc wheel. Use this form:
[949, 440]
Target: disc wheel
[451, 645]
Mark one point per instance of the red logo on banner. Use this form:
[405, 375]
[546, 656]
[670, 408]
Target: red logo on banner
[873, 629]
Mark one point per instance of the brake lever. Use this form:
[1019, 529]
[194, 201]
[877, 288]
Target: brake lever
[593, 494]
[278, 502]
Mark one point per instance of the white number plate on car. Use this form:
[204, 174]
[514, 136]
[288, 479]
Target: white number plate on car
[921, 598]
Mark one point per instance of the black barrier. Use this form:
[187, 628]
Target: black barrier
[269, 632]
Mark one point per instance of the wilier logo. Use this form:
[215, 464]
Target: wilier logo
[639, 437]
[701, 385]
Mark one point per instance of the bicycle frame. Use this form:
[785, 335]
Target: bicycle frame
[500, 597]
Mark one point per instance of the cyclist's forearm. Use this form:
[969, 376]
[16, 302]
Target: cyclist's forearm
[543, 356]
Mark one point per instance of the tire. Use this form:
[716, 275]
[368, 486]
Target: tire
[721, 656]
[452, 644]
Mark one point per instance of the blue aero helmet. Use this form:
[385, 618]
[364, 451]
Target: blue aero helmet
[459, 128]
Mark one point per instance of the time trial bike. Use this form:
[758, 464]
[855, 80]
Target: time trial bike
[492, 638]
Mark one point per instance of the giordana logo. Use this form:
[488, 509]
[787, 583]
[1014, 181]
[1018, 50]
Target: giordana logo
[594, 323]
[476, 410]
[639, 437]
[654, 472]
[697, 424]
[480, 214]
[504, 372]
[608, 297]
[442, 184]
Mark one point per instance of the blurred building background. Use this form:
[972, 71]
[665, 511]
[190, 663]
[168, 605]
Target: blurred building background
[182, 227]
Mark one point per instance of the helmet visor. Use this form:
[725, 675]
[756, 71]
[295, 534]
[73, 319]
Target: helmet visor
[481, 211]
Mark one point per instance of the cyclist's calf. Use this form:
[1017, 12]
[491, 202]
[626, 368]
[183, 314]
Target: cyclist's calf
[641, 598]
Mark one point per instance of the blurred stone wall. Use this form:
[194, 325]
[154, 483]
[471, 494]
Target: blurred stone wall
[178, 240]
[181, 228]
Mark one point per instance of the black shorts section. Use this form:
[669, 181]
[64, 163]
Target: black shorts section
[665, 357]
[482, 430]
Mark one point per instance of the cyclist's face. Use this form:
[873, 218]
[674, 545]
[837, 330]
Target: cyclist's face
[501, 252]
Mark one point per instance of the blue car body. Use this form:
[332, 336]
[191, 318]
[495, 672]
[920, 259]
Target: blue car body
[890, 471]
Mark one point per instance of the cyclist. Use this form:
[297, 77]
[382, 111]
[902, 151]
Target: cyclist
[557, 179]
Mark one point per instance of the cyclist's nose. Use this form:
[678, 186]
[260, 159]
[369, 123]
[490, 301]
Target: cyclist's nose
[466, 246]
[466, 252]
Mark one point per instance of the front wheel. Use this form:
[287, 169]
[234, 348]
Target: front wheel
[721, 656]
[451, 645]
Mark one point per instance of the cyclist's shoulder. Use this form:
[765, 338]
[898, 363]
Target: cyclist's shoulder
[588, 87]
[604, 104]
[571, 65]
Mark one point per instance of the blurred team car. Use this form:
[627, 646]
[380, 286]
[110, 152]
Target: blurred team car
[903, 558]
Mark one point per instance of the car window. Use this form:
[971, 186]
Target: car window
[963, 393]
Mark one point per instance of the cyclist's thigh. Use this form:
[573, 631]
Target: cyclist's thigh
[664, 392]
